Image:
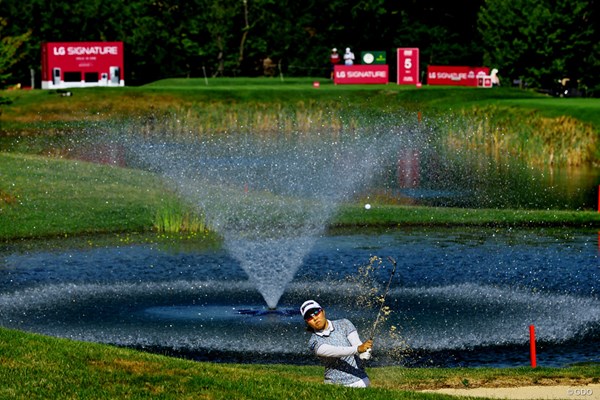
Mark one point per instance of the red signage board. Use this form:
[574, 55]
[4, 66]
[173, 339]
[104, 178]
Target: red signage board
[484, 81]
[349, 74]
[408, 66]
[455, 75]
[82, 64]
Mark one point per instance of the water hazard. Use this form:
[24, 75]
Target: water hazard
[458, 298]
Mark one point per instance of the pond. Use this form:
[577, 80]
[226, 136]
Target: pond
[460, 297]
[420, 172]
[434, 178]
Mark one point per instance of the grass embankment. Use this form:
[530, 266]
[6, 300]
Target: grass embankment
[399, 216]
[43, 197]
[42, 109]
[502, 121]
[38, 367]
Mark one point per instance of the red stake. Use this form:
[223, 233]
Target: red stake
[532, 346]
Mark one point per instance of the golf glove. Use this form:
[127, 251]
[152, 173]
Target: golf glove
[365, 355]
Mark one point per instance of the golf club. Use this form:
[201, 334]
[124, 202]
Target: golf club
[367, 354]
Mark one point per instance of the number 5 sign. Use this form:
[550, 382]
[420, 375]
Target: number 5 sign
[408, 66]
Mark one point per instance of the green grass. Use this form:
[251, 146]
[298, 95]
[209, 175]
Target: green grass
[175, 217]
[586, 110]
[42, 196]
[45, 197]
[33, 367]
[390, 216]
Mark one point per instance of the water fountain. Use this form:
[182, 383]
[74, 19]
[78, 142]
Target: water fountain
[269, 195]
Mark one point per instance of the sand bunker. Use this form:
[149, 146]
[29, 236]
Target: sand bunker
[584, 392]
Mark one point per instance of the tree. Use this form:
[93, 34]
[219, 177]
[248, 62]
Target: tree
[219, 19]
[541, 41]
[9, 50]
[538, 40]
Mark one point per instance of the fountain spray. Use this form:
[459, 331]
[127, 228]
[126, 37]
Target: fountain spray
[367, 354]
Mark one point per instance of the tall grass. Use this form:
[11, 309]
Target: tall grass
[528, 135]
[174, 218]
[507, 121]
[260, 118]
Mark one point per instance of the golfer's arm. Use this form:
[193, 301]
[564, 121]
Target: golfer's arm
[327, 350]
[354, 339]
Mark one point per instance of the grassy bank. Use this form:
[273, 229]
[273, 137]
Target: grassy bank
[399, 216]
[47, 197]
[44, 109]
[39, 367]
[44, 197]
[500, 121]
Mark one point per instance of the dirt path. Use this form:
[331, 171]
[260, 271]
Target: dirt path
[583, 392]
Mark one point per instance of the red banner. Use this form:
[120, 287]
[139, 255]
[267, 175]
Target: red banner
[357, 74]
[455, 76]
[408, 66]
[81, 64]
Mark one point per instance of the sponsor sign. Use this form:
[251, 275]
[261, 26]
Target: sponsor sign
[484, 81]
[360, 74]
[373, 57]
[408, 66]
[455, 75]
[82, 64]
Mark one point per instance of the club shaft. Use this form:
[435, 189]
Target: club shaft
[383, 298]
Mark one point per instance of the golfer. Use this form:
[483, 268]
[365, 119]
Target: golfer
[337, 345]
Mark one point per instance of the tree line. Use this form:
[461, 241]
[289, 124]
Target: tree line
[533, 42]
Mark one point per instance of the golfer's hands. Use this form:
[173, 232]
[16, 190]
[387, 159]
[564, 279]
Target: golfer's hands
[364, 350]
[365, 346]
